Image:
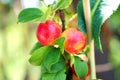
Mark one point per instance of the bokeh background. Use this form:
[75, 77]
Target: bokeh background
[17, 40]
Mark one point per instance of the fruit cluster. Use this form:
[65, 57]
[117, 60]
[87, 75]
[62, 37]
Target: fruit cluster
[74, 40]
[48, 32]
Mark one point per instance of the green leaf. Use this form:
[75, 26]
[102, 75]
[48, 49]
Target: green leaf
[36, 46]
[62, 4]
[44, 69]
[58, 66]
[43, 6]
[81, 68]
[86, 50]
[101, 11]
[29, 14]
[115, 20]
[52, 58]
[48, 76]
[60, 75]
[39, 55]
[60, 42]
[54, 76]
[46, 14]
[81, 20]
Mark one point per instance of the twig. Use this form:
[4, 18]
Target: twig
[62, 17]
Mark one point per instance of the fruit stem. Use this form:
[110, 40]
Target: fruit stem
[91, 55]
[71, 60]
[53, 15]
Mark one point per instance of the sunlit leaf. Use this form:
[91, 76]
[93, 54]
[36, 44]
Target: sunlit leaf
[60, 42]
[39, 55]
[43, 6]
[62, 4]
[29, 14]
[36, 46]
[46, 14]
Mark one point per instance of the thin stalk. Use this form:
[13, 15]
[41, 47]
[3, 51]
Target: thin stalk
[87, 13]
[62, 17]
[95, 7]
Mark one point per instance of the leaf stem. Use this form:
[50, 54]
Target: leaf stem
[95, 7]
[87, 13]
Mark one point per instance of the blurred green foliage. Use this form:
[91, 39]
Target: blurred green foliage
[16, 42]
[115, 20]
[114, 45]
[115, 56]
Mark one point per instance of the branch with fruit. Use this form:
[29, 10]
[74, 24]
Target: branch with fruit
[65, 46]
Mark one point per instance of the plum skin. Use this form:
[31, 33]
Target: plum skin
[48, 32]
[75, 40]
